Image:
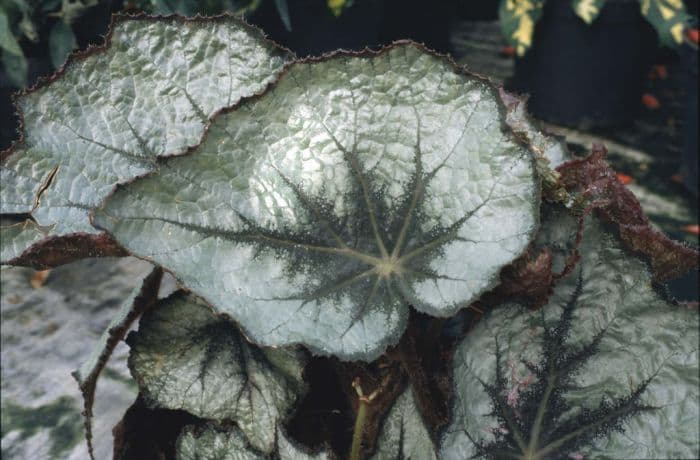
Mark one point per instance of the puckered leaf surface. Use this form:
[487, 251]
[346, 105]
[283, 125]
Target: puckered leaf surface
[353, 187]
[185, 357]
[106, 117]
[404, 434]
[613, 375]
[218, 443]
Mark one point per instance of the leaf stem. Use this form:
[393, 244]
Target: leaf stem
[364, 402]
[357, 435]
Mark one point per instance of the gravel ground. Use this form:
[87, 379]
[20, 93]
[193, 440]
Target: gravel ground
[47, 332]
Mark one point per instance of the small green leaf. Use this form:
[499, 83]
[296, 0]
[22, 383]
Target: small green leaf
[608, 369]
[15, 66]
[353, 188]
[8, 42]
[61, 43]
[185, 357]
[283, 11]
[404, 434]
[588, 10]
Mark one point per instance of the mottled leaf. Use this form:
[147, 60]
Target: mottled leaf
[142, 298]
[111, 111]
[404, 434]
[518, 19]
[185, 357]
[608, 369]
[668, 17]
[588, 10]
[355, 186]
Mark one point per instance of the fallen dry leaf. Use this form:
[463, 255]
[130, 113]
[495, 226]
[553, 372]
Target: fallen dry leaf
[658, 71]
[677, 178]
[507, 51]
[650, 101]
[39, 278]
[624, 178]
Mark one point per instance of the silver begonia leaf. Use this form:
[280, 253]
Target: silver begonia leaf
[185, 357]
[629, 367]
[404, 434]
[356, 185]
[215, 444]
[218, 443]
[104, 119]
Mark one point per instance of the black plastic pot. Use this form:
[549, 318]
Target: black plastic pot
[315, 30]
[689, 167]
[587, 76]
[367, 23]
[477, 10]
[418, 20]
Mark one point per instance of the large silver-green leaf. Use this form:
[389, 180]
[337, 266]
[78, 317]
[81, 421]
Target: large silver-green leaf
[353, 187]
[106, 117]
[229, 443]
[186, 357]
[215, 444]
[404, 434]
[621, 364]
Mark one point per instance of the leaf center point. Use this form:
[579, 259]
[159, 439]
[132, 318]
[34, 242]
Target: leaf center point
[388, 266]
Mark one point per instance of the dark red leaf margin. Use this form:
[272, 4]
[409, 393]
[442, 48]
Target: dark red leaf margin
[596, 184]
[146, 298]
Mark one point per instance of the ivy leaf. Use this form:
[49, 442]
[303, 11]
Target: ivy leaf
[355, 186]
[607, 369]
[111, 111]
[518, 19]
[404, 434]
[213, 442]
[668, 17]
[588, 10]
[185, 357]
